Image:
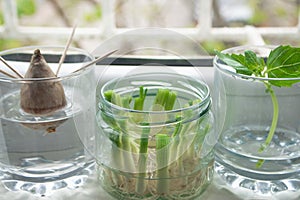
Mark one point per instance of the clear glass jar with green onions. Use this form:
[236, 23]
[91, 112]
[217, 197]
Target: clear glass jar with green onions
[155, 137]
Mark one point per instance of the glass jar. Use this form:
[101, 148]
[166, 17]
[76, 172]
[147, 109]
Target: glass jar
[155, 152]
[46, 126]
[246, 108]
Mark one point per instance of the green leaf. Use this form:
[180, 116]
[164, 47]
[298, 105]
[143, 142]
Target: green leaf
[235, 61]
[240, 58]
[1, 18]
[254, 63]
[26, 7]
[284, 62]
[94, 15]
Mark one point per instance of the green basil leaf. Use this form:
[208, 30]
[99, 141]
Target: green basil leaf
[235, 61]
[240, 58]
[284, 62]
[253, 62]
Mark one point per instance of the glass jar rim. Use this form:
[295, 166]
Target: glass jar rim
[205, 100]
[44, 47]
[240, 49]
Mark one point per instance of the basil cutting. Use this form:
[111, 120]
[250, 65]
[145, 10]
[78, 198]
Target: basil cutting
[278, 69]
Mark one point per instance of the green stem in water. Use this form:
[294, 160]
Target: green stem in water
[108, 95]
[139, 105]
[126, 101]
[122, 140]
[139, 101]
[160, 99]
[273, 125]
[170, 101]
[161, 96]
[142, 162]
[162, 141]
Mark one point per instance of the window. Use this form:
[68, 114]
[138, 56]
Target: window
[211, 23]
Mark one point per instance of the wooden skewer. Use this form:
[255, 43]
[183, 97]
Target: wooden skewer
[96, 60]
[63, 56]
[11, 68]
[7, 74]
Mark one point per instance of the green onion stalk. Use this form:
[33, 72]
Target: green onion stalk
[155, 155]
[186, 156]
[121, 142]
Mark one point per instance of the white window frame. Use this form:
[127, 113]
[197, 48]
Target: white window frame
[204, 31]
